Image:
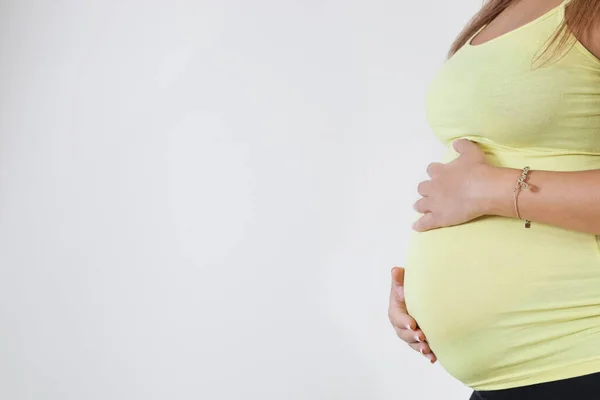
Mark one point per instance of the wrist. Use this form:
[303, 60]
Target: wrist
[495, 190]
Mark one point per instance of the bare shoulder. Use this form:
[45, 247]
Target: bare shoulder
[591, 40]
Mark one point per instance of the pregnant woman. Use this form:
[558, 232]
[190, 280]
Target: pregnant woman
[502, 278]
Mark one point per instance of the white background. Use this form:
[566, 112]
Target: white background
[203, 199]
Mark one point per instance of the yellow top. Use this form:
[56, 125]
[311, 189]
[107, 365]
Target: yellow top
[501, 305]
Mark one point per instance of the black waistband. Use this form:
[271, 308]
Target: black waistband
[580, 387]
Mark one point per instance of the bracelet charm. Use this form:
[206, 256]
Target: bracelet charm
[521, 185]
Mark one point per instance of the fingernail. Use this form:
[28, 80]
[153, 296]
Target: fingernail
[408, 327]
[422, 352]
[418, 339]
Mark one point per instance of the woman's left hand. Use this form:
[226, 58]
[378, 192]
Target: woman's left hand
[455, 193]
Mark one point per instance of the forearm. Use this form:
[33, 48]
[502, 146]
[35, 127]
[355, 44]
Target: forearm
[569, 200]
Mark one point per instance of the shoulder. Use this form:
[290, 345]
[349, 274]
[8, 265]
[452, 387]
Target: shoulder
[591, 40]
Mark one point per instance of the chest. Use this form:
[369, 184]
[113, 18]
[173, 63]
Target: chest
[496, 91]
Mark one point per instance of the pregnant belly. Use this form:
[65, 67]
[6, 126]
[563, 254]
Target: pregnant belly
[505, 306]
[502, 305]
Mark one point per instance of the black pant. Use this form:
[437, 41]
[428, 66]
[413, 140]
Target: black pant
[586, 387]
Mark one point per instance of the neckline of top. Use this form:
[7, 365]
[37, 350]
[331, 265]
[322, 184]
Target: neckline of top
[547, 14]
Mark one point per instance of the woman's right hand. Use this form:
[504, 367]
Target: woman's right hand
[406, 327]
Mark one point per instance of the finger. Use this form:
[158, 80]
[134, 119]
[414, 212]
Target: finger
[398, 276]
[425, 350]
[422, 348]
[422, 205]
[433, 169]
[400, 319]
[468, 148]
[432, 358]
[409, 336]
[397, 311]
[424, 188]
[426, 222]
[397, 289]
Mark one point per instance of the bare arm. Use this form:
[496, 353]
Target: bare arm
[468, 187]
[568, 200]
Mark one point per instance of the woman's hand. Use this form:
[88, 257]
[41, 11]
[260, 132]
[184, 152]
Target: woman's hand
[405, 325]
[455, 194]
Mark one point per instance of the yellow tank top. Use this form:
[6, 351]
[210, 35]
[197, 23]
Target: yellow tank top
[504, 306]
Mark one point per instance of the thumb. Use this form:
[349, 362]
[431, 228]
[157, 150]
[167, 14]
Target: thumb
[397, 290]
[398, 276]
[466, 147]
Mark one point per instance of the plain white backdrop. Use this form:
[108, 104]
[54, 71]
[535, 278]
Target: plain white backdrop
[203, 199]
